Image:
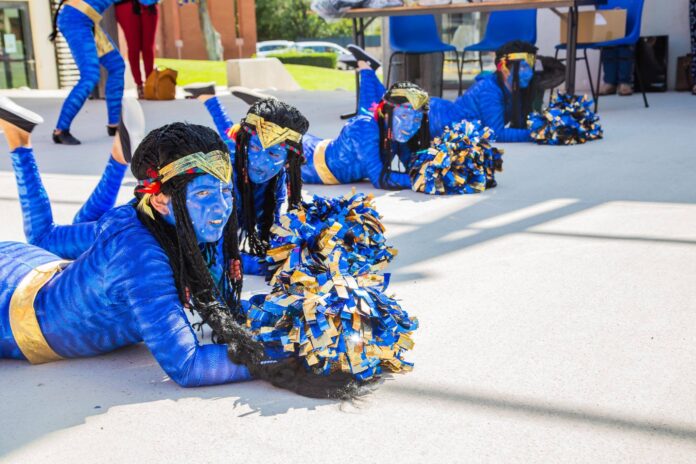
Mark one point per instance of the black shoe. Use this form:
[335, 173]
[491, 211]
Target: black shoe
[131, 128]
[111, 130]
[491, 183]
[362, 55]
[196, 90]
[247, 95]
[65, 138]
[18, 116]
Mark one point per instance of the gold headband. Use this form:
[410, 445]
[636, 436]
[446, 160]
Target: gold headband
[271, 133]
[416, 97]
[216, 163]
[528, 57]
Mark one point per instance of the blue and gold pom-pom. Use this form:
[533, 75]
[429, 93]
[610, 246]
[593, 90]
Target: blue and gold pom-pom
[334, 321]
[460, 161]
[568, 120]
[327, 305]
[350, 224]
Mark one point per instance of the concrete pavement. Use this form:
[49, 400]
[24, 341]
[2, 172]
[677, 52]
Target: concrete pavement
[557, 319]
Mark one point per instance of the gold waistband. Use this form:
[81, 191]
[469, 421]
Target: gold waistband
[25, 327]
[320, 164]
[104, 45]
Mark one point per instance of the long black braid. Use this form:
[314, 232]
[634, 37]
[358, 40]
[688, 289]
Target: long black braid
[54, 32]
[255, 229]
[388, 147]
[522, 99]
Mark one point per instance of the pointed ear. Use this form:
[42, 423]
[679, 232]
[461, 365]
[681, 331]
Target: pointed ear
[160, 203]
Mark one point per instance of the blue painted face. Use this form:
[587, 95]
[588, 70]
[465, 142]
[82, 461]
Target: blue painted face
[406, 122]
[526, 74]
[265, 164]
[209, 204]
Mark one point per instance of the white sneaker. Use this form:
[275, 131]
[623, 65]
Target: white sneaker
[18, 115]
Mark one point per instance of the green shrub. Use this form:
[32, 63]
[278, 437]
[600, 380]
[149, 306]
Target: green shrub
[322, 60]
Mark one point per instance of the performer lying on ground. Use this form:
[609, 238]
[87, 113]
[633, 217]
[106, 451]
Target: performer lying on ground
[177, 249]
[140, 267]
[501, 100]
[368, 143]
[393, 124]
[78, 21]
[497, 99]
[266, 150]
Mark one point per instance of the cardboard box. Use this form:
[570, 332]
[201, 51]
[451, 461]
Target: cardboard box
[597, 25]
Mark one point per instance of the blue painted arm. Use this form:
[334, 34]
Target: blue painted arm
[364, 134]
[371, 89]
[252, 265]
[103, 197]
[161, 319]
[222, 121]
[66, 241]
[493, 115]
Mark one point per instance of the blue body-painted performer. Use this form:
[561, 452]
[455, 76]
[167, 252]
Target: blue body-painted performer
[498, 99]
[142, 266]
[501, 100]
[176, 250]
[368, 143]
[78, 21]
[267, 155]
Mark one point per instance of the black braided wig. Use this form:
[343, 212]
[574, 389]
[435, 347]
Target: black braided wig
[522, 99]
[387, 145]
[254, 233]
[190, 264]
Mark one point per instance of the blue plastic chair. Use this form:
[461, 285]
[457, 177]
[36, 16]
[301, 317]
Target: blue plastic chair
[503, 27]
[417, 35]
[634, 14]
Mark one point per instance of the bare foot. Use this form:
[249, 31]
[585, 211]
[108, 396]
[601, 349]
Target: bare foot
[117, 151]
[204, 98]
[363, 65]
[15, 136]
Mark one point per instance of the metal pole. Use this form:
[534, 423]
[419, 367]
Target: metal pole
[359, 40]
[572, 49]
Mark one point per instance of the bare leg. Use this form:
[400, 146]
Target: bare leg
[15, 136]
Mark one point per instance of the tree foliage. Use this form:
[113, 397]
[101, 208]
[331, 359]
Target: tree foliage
[294, 19]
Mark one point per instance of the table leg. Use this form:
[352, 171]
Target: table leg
[359, 40]
[571, 53]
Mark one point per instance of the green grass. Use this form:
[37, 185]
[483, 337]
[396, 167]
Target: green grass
[191, 71]
[309, 77]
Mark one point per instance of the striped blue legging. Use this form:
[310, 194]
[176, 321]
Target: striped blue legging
[77, 29]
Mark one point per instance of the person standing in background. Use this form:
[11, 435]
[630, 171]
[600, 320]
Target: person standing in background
[138, 19]
[618, 70]
[78, 21]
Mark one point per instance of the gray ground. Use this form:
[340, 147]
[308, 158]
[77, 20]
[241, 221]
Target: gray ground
[557, 318]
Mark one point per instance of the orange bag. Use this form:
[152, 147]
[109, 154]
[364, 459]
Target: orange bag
[161, 84]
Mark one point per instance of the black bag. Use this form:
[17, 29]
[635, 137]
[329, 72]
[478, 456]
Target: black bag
[651, 60]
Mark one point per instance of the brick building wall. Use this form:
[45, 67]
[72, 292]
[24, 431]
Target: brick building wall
[233, 19]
